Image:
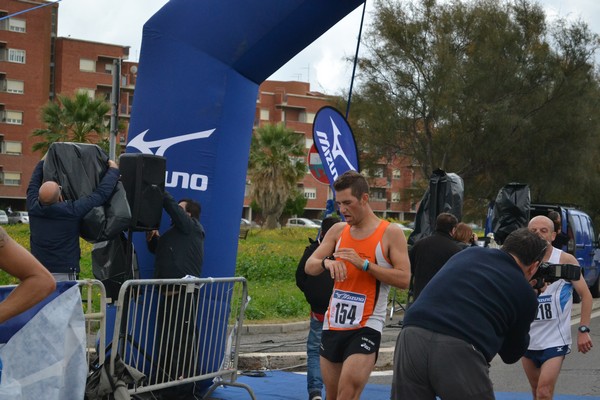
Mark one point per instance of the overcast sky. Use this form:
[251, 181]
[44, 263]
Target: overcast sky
[322, 63]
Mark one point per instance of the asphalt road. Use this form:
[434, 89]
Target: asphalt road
[579, 375]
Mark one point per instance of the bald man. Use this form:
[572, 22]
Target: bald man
[54, 222]
[550, 332]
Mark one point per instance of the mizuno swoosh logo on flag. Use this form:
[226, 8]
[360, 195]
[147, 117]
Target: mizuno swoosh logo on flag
[337, 151]
[162, 145]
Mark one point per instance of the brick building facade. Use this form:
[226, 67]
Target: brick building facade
[35, 66]
[294, 105]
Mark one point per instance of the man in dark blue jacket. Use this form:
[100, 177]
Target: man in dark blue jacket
[54, 222]
[478, 305]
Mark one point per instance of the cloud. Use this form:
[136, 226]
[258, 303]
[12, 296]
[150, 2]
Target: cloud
[108, 21]
[322, 63]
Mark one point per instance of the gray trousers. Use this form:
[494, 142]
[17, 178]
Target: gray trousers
[429, 364]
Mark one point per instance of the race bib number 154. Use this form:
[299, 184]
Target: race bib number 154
[346, 309]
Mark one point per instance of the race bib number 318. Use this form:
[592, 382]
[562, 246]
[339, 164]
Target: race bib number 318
[346, 309]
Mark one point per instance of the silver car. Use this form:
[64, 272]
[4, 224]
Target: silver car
[18, 217]
[3, 218]
[301, 223]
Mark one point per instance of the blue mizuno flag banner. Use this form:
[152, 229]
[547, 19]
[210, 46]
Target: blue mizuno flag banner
[334, 141]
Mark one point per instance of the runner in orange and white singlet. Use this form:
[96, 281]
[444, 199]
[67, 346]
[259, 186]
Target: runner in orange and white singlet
[364, 256]
[360, 300]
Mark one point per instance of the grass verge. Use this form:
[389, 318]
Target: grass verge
[267, 259]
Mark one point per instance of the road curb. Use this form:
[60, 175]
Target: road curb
[289, 360]
[258, 329]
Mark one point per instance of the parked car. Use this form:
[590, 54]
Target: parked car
[317, 221]
[248, 224]
[3, 218]
[301, 223]
[18, 217]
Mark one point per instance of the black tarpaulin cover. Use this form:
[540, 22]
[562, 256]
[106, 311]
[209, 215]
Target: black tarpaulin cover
[78, 168]
[511, 210]
[445, 194]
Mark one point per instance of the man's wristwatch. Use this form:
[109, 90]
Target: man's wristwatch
[584, 329]
[323, 261]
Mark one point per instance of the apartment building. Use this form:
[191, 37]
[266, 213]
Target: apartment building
[26, 76]
[35, 66]
[294, 105]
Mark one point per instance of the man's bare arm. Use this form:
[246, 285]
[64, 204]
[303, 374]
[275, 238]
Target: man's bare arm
[36, 281]
[584, 340]
[325, 249]
[397, 251]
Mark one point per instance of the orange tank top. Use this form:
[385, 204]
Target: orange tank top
[359, 300]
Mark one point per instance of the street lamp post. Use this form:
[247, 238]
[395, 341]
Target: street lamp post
[114, 115]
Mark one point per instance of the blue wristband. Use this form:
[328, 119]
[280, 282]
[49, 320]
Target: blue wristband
[366, 265]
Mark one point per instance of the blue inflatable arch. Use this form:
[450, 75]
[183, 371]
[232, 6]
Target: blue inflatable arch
[200, 67]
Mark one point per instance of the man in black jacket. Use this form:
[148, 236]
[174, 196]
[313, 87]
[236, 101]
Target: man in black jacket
[54, 222]
[179, 251]
[317, 290]
[430, 253]
[479, 305]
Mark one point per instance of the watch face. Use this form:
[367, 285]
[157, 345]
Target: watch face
[584, 329]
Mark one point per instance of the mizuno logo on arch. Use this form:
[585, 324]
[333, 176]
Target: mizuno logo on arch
[162, 145]
[184, 180]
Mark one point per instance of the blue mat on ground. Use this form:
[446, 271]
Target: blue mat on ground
[278, 385]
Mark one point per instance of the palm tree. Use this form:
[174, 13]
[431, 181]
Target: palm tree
[72, 119]
[275, 167]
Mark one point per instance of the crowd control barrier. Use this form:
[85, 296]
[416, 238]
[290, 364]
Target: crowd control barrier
[180, 331]
[93, 299]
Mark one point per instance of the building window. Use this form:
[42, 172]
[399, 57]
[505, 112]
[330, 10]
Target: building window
[87, 65]
[300, 160]
[17, 25]
[310, 193]
[108, 68]
[308, 143]
[396, 197]
[16, 56]
[396, 173]
[378, 172]
[264, 114]
[8, 147]
[90, 92]
[310, 117]
[11, 178]
[13, 86]
[13, 117]
[378, 195]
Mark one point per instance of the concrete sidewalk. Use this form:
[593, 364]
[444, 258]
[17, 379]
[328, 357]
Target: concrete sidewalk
[283, 346]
